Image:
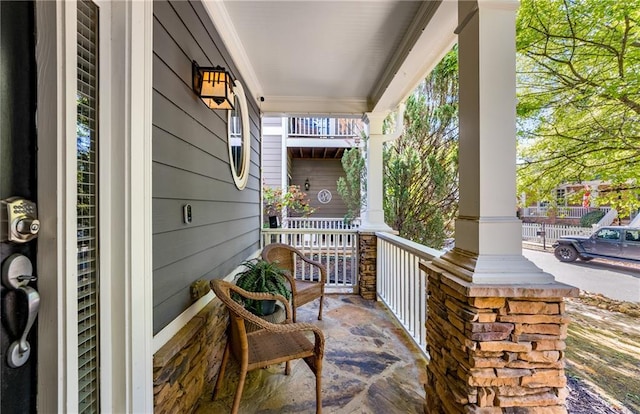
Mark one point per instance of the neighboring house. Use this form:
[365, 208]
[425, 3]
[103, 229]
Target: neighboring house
[570, 202]
[307, 152]
[139, 194]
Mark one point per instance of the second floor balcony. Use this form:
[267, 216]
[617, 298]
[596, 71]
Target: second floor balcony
[319, 127]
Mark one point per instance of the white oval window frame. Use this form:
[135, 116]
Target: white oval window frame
[240, 180]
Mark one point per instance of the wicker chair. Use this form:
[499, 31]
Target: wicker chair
[268, 345]
[302, 291]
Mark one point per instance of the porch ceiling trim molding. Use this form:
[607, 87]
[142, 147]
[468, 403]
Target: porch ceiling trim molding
[288, 105]
[227, 31]
[321, 142]
[429, 38]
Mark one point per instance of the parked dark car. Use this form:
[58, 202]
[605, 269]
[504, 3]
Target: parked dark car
[618, 243]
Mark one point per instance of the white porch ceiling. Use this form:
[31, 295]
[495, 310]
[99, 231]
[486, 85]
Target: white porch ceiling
[333, 56]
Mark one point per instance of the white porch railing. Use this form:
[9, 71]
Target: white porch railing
[561, 212]
[301, 127]
[402, 286]
[608, 218]
[320, 223]
[549, 233]
[336, 249]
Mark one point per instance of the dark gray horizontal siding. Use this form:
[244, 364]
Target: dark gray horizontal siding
[322, 174]
[182, 299]
[167, 213]
[191, 165]
[175, 246]
[203, 262]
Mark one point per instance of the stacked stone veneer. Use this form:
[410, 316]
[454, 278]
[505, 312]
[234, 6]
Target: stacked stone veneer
[495, 349]
[188, 364]
[367, 265]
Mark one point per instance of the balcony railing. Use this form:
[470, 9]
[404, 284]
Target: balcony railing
[320, 223]
[561, 212]
[401, 285]
[336, 249]
[300, 127]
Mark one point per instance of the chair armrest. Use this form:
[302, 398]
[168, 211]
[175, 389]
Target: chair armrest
[292, 282]
[323, 269]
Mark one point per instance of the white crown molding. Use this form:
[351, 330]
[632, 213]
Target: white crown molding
[224, 25]
[434, 42]
[313, 105]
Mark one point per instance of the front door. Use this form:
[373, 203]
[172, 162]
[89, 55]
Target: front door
[75, 87]
[17, 179]
[30, 165]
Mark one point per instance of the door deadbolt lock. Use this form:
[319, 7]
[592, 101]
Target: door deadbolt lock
[20, 223]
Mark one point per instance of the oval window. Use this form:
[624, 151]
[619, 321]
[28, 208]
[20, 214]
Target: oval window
[239, 135]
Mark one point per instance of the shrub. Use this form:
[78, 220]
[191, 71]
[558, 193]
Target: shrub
[274, 201]
[591, 218]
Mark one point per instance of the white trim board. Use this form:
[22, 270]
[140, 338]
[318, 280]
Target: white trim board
[126, 301]
[56, 62]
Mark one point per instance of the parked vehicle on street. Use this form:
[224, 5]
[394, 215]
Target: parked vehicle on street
[615, 242]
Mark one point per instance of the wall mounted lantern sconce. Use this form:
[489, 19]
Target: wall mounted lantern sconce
[307, 185]
[213, 85]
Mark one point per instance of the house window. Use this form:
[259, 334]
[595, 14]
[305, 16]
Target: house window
[608, 234]
[239, 136]
[560, 197]
[87, 202]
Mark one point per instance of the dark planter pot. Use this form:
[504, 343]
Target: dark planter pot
[267, 307]
[273, 222]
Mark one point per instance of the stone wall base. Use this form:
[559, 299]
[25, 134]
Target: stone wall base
[367, 265]
[495, 348]
[189, 363]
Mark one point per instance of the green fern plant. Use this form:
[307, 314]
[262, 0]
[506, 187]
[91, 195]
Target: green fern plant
[261, 276]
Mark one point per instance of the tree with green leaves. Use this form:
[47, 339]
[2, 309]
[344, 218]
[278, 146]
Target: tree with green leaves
[579, 96]
[352, 187]
[421, 167]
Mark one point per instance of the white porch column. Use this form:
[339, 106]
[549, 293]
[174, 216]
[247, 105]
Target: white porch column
[373, 218]
[488, 233]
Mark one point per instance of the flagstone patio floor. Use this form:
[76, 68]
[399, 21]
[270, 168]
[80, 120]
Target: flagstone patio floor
[370, 366]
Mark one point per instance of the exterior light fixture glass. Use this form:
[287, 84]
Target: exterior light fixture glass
[213, 85]
[307, 185]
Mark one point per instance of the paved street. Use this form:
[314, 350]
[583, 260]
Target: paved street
[613, 280]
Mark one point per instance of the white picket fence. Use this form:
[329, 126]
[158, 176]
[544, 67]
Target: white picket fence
[549, 233]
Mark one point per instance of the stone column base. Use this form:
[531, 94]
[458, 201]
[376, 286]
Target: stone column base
[495, 348]
[368, 251]
[189, 363]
